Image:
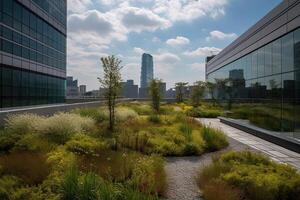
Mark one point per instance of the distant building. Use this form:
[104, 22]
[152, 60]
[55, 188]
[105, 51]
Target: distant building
[143, 92]
[129, 90]
[72, 87]
[93, 93]
[102, 92]
[146, 70]
[163, 89]
[146, 74]
[170, 93]
[82, 90]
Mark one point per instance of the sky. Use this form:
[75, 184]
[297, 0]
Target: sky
[178, 33]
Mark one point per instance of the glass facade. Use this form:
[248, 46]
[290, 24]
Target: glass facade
[23, 88]
[26, 36]
[265, 85]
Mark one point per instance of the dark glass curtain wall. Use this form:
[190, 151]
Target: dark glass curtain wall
[265, 85]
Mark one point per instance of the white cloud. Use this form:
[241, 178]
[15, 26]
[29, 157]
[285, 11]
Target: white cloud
[156, 39]
[203, 51]
[188, 10]
[198, 66]
[138, 50]
[140, 19]
[131, 71]
[78, 5]
[221, 35]
[96, 33]
[179, 40]
[166, 58]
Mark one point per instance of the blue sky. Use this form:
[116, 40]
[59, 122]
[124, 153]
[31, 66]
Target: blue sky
[178, 33]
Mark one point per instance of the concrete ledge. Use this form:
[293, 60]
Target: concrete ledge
[264, 134]
[47, 110]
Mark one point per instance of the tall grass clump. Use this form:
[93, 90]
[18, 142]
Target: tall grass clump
[95, 113]
[248, 175]
[148, 175]
[154, 118]
[22, 123]
[123, 114]
[70, 184]
[60, 127]
[214, 139]
[186, 130]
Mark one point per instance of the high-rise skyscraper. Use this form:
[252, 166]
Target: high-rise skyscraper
[32, 52]
[146, 74]
[147, 70]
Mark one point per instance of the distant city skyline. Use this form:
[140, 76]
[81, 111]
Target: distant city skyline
[179, 37]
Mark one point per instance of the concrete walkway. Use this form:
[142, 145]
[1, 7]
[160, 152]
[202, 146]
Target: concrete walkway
[182, 172]
[273, 151]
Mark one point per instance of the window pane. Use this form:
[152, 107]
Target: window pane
[268, 60]
[287, 53]
[288, 97]
[276, 56]
[297, 48]
[25, 53]
[25, 17]
[17, 50]
[254, 65]
[7, 46]
[260, 62]
[7, 33]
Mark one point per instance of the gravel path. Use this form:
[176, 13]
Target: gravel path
[181, 173]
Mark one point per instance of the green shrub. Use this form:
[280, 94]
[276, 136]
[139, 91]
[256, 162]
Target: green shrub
[81, 143]
[165, 146]
[204, 113]
[33, 142]
[214, 139]
[60, 160]
[154, 119]
[250, 175]
[8, 140]
[95, 113]
[141, 109]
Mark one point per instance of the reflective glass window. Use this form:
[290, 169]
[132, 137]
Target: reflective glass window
[288, 53]
[297, 49]
[254, 65]
[261, 62]
[276, 56]
[268, 60]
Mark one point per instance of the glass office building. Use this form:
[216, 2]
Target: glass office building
[262, 72]
[146, 70]
[32, 52]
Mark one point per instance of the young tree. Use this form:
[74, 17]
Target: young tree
[180, 90]
[111, 81]
[197, 92]
[154, 92]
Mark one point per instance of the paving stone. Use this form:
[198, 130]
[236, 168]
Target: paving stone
[274, 151]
